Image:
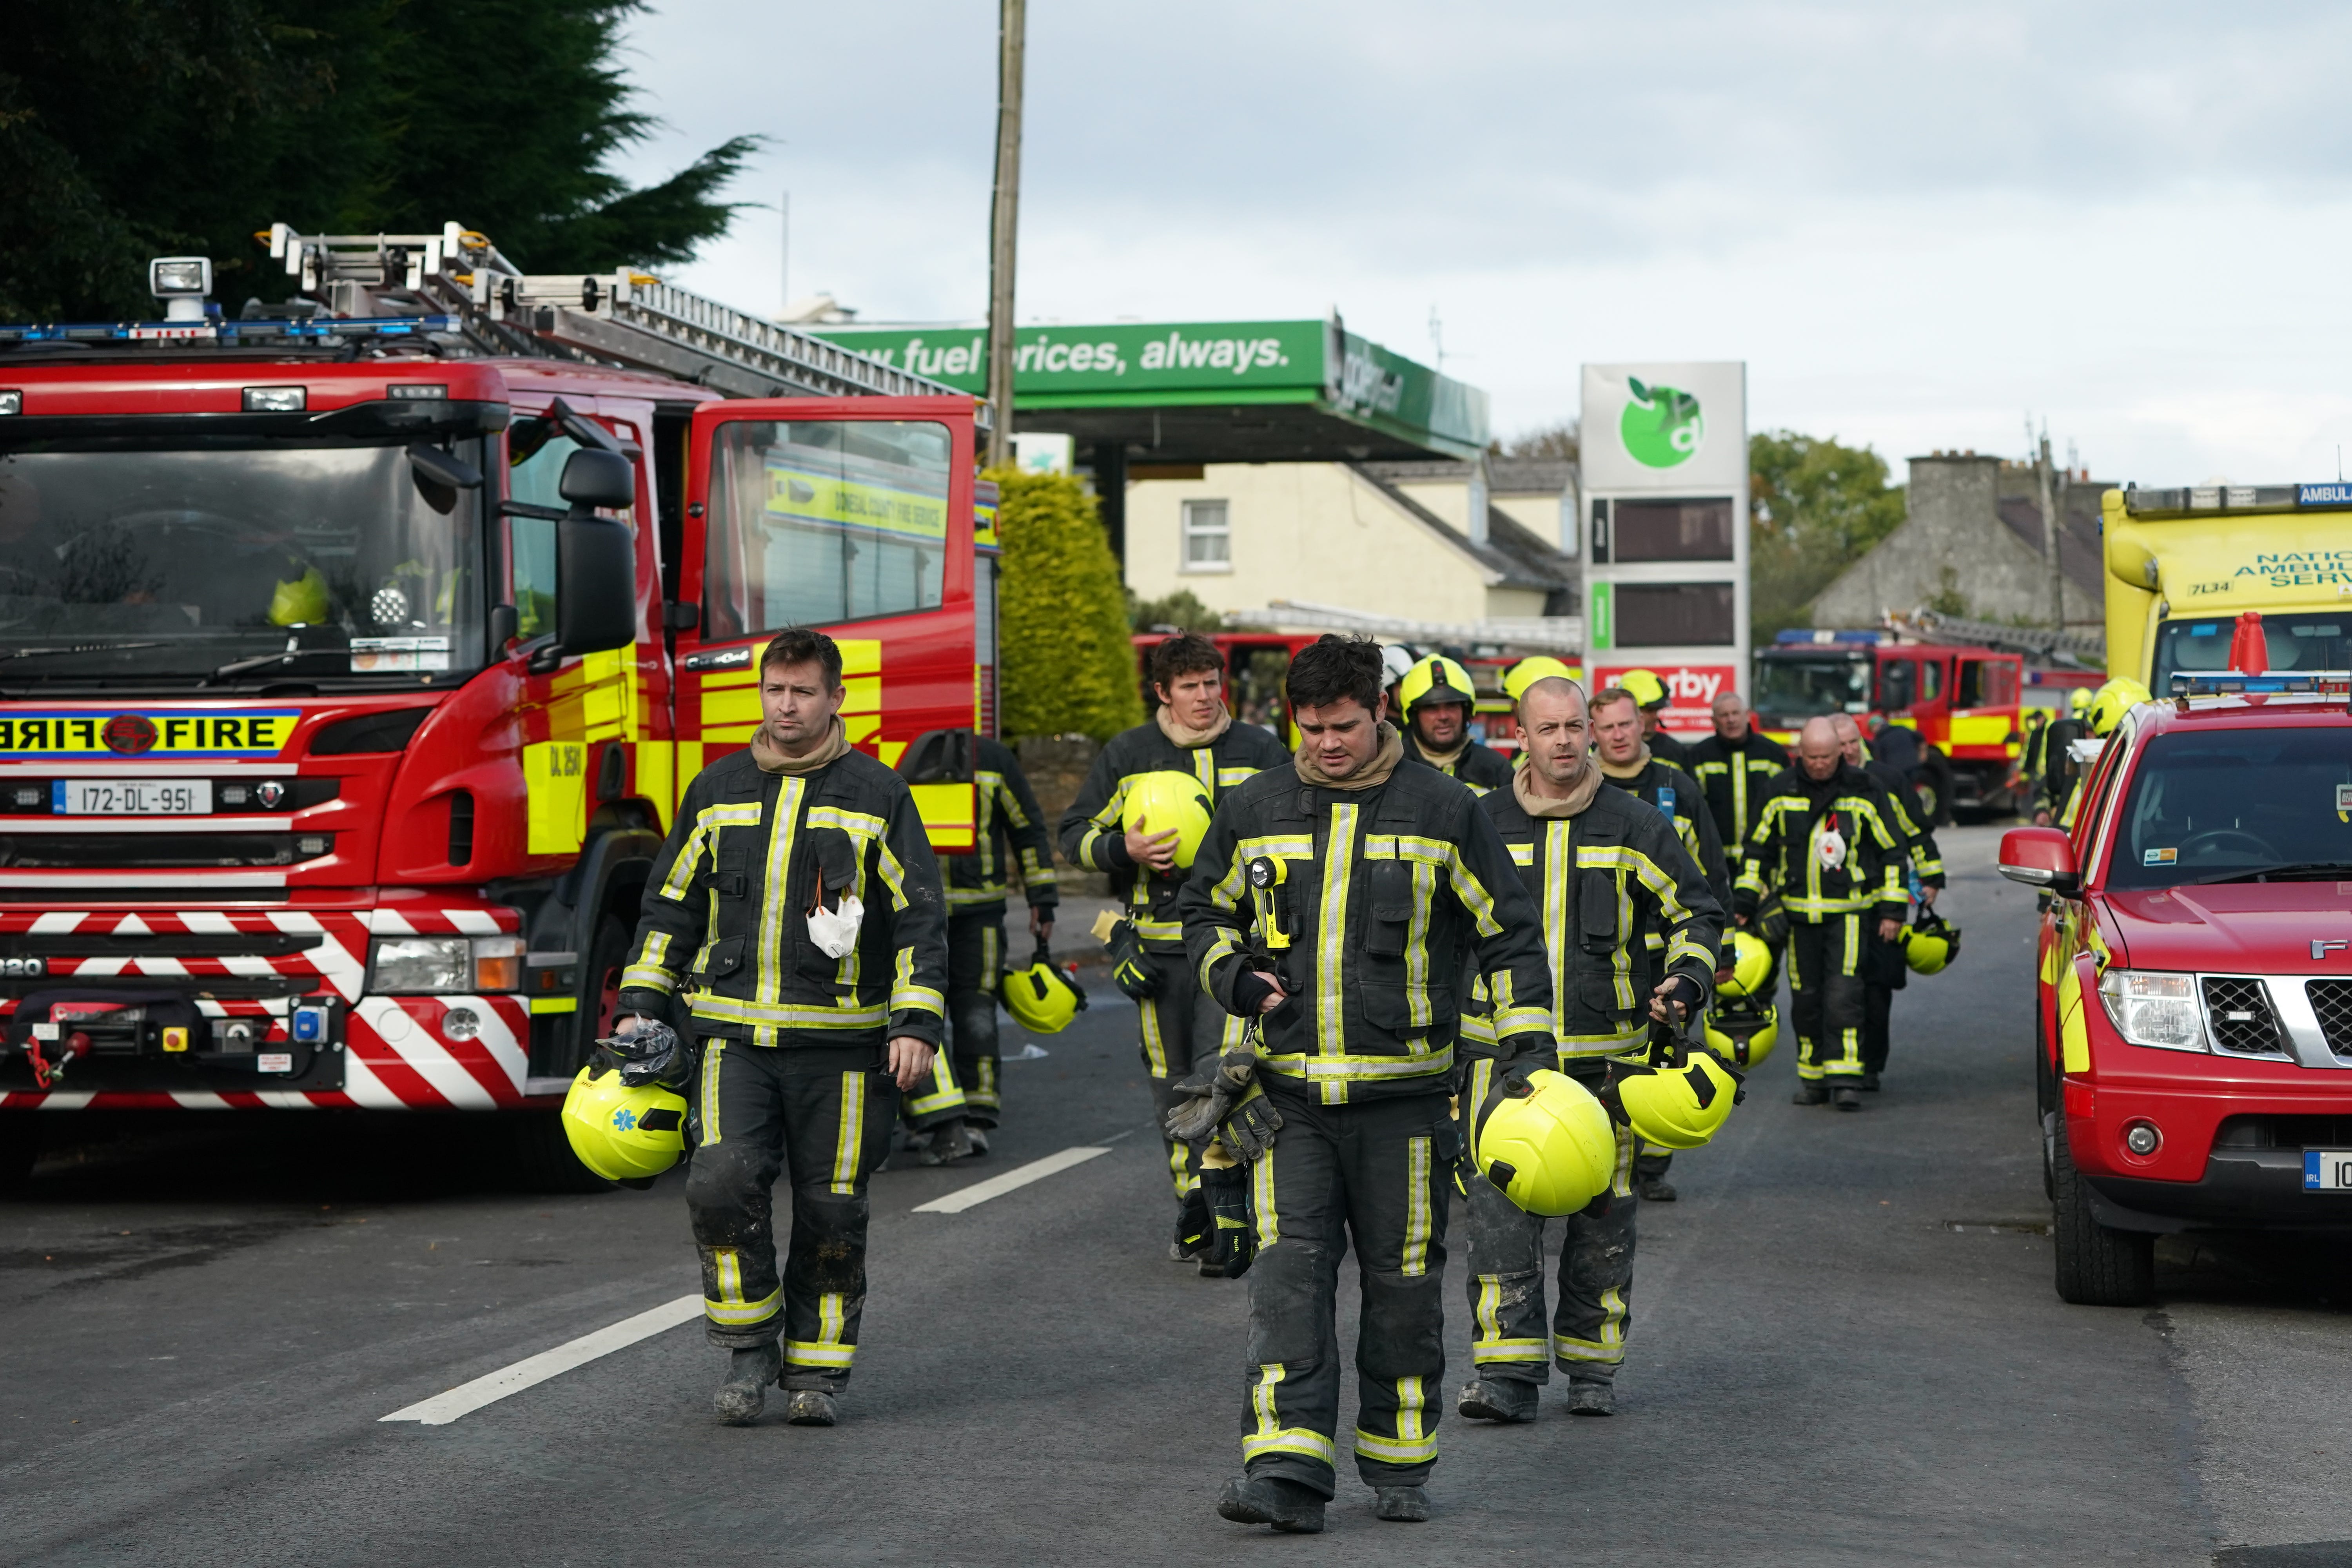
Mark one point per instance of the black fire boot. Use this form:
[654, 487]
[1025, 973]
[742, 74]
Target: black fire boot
[1289, 1506]
[1498, 1399]
[1809, 1092]
[950, 1142]
[749, 1373]
[1592, 1397]
[810, 1407]
[1402, 1505]
[1657, 1190]
[1846, 1098]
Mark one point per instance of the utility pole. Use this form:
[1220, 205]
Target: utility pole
[1005, 220]
[784, 268]
[2049, 534]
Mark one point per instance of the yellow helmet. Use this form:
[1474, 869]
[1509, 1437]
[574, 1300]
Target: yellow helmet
[1752, 965]
[300, 601]
[1436, 679]
[1648, 690]
[1743, 1037]
[1550, 1149]
[1157, 802]
[1041, 998]
[1679, 1106]
[2113, 701]
[2077, 699]
[1928, 944]
[1527, 671]
[622, 1134]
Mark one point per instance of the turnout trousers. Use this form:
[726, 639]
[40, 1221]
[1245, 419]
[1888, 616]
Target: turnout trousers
[1180, 1025]
[975, 960]
[820, 1118]
[1374, 1175]
[1508, 1343]
[1825, 998]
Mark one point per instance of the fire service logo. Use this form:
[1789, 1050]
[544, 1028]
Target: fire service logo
[129, 733]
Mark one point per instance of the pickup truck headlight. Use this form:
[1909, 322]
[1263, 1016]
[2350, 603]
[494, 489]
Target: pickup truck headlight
[2151, 1008]
[429, 965]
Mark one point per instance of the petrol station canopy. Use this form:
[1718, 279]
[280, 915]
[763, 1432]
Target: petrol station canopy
[1203, 392]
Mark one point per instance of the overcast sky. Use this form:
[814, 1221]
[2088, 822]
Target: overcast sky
[1914, 223]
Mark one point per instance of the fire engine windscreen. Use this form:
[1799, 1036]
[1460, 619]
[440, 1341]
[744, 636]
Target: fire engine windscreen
[2310, 640]
[1790, 689]
[819, 522]
[310, 564]
[2235, 805]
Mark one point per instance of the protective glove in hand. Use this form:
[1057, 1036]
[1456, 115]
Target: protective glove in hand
[1128, 970]
[1232, 1244]
[653, 1054]
[1210, 1093]
[1248, 1132]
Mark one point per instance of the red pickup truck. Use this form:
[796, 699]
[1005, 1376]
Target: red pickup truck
[2194, 1025]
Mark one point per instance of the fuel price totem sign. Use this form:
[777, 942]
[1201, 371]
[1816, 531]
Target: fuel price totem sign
[1666, 476]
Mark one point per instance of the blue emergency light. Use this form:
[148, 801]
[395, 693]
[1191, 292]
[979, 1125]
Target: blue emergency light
[1825, 639]
[2236, 683]
[273, 331]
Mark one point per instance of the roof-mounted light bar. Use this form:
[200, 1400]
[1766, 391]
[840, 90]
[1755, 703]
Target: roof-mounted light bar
[260, 332]
[2237, 683]
[2334, 495]
[1801, 637]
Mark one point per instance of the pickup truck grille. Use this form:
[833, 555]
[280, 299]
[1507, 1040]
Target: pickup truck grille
[2240, 1011]
[2331, 1001]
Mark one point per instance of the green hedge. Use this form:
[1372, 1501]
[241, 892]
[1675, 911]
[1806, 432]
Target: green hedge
[1067, 665]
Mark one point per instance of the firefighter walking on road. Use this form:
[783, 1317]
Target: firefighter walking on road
[1338, 901]
[1626, 761]
[1735, 766]
[797, 907]
[1630, 929]
[1437, 700]
[1884, 971]
[1825, 842]
[1191, 742]
[1012, 848]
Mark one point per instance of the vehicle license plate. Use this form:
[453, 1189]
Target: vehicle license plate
[2327, 1170]
[131, 797]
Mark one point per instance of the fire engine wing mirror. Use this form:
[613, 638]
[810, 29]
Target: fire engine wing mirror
[2039, 857]
[939, 756]
[435, 466]
[594, 478]
[596, 584]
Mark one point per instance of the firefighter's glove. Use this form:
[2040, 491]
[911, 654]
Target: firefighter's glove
[1233, 1236]
[1210, 1093]
[1251, 988]
[1129, 969]
[1248, 1132]
[653, 1054]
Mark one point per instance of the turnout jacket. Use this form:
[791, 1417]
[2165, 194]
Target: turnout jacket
[1091, 834]
[1674, 795]
[1481, 767]
[1735, 775]
[725, 919]
[1919, 849]
[1623, 905]
[1010, 847]
[1783, 851]
[1385, 895]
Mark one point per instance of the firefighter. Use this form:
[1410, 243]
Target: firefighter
[1632, 930]
[1884, 971]
[1733, 765]
[2055, 786]
[1337, 902]
[1193, 734]
[2037, 732]
[1436, 699]
[1824, 841]
[1650, 693]
[1625, 760]
[797, 906]
[1011, 848]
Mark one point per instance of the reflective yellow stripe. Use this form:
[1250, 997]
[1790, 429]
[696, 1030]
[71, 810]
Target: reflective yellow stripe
[735, 1010]
[905, 997]
[775, 901]
[729, 1310]
[713, 1051]
[1269, 1228]
[1416, 1207]
[1155, 1051]
[1331, 935]
[850, 1133]
[1271, 1436]
[1345, 1066]
[945, 1095]
[826, 1349]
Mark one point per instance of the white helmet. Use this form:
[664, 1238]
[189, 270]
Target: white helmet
[1395, 660]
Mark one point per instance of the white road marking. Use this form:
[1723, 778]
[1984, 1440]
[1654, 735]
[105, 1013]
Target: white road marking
[489, 1389]
[1018, 1177]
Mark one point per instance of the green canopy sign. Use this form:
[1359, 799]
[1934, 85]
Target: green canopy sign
[1328, 376]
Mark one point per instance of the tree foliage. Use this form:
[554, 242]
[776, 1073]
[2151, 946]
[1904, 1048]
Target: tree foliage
[1068, 666]
[1814, 506]
[1184, 610]
[137, 128]
[1561, 439]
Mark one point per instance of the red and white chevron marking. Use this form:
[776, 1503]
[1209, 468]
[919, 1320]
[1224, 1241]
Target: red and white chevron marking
[396, 1054]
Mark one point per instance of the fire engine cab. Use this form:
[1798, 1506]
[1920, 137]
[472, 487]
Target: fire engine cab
[2193, 1048]
[354, 654]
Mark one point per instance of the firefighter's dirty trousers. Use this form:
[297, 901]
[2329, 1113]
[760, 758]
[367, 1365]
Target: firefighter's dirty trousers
[1508, 1343]
[1375, 1175]
[975, 958]
[1180, 1025]
[821, 1117]
[1825, 998]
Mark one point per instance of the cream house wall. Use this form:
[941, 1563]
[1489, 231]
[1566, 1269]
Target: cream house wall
[1313, 531]
[1538, 514]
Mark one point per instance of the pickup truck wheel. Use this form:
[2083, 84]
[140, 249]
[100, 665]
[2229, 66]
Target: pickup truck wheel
[2097, 1267]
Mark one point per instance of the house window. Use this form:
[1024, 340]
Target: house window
[1208, 537]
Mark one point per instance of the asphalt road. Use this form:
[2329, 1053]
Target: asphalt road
[1845, 1350]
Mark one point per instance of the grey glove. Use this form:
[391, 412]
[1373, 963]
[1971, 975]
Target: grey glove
[1249, 1132]
[1211, 1094]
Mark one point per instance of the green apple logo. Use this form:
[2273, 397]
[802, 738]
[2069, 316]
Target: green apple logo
[1660, 426]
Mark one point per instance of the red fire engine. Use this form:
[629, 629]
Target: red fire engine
[354, 654]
